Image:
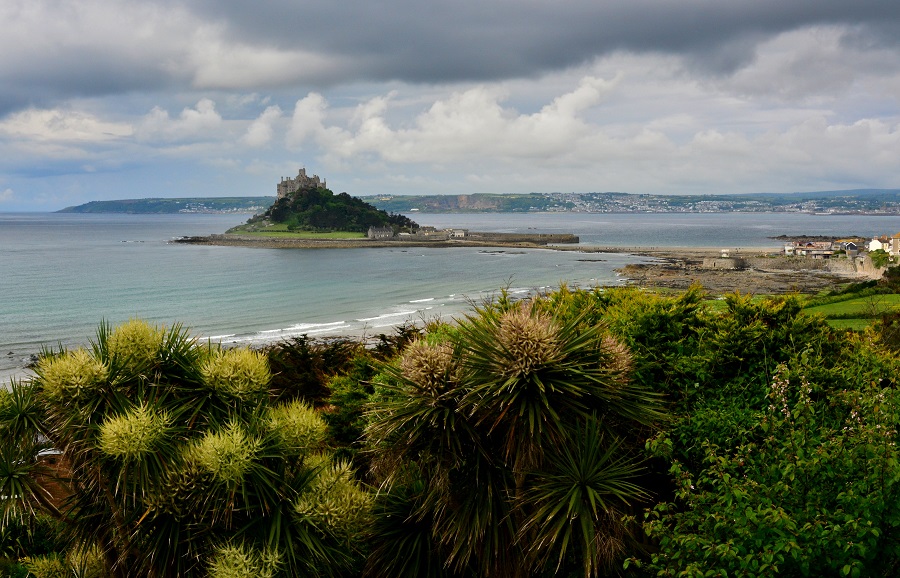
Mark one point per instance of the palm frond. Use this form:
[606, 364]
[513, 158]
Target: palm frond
[574, 507]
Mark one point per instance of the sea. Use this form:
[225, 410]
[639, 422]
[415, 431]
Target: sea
[62, 274]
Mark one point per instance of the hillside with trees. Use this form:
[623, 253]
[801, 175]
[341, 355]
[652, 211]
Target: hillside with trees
[319, 209]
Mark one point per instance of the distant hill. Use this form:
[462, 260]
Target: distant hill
[862, 201]
[473, 203]
[185, 205]
[319, 209]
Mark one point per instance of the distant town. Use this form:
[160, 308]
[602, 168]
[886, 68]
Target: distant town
[861, 201]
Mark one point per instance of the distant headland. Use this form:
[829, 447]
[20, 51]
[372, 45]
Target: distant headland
[151, 206]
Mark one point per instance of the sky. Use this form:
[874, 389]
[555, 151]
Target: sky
[117, 99]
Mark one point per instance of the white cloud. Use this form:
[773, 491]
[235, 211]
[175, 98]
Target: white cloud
[308, 124]
[589, 138]
[62, 126]
[260, 131]
[191, 124]
[470, 124]
[6, 196]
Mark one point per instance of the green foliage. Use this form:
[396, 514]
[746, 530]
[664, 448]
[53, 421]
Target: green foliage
[815, 495]
[301, 367]
[528, 439]
[349, 396]
[493, 427]
[299, 426]
[890, 280]
[880, 258]
[321, 210]
[173, 449]
[35, 536]
[888, 330]
[866, 307]
[401, 535]
[51, 566]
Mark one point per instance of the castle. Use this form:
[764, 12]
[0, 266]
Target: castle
[301, 181]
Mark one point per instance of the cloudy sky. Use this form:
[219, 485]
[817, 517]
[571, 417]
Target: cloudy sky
[111, 99]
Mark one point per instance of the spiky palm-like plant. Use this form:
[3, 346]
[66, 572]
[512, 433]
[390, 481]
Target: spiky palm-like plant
[511, 427]
[178, 463]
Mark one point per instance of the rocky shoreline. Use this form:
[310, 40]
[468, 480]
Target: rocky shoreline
[756, 270]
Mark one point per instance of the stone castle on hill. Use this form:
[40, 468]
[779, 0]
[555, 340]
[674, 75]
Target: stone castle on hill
[289, 186]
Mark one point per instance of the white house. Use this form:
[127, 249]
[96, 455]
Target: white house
[877, 244]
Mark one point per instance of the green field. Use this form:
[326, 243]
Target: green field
[868, 306]
[280, 231]
[306, 234]
[852, 324]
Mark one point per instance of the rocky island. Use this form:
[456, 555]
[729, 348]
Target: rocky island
[308, 215]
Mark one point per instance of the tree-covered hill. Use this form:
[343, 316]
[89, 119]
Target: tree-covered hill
[182, 205]
[319, 209]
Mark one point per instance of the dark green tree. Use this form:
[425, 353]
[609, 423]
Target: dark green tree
[321, 210]
[505, 441]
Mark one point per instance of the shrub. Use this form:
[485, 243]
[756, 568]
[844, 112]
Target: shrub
[173, 449]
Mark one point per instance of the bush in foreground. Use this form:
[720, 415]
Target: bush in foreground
[173, 461]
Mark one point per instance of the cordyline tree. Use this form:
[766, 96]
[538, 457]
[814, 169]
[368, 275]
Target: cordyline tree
[177, 462]
[499, 446]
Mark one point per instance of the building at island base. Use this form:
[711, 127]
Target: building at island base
[289, 186]
[420, 234]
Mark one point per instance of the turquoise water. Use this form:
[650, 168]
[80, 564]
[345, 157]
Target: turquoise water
[61, 274]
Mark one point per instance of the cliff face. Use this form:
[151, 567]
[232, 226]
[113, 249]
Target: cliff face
[477, 203]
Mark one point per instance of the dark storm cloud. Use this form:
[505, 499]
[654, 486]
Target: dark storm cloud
[98, 49]
[474, 40]
[79, 73]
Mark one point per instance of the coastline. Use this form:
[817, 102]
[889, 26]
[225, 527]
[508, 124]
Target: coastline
[747, 270]
[512, 240]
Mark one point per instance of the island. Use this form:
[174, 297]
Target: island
[306, 214]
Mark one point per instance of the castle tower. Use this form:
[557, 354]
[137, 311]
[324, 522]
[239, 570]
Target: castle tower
[301, 181]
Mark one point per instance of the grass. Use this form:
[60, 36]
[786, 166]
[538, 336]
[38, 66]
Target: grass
[861, 306]
[280, 231]
[852, 324]
[856, 313]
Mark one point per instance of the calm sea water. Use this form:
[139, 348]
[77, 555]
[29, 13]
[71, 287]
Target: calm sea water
[61, 274]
